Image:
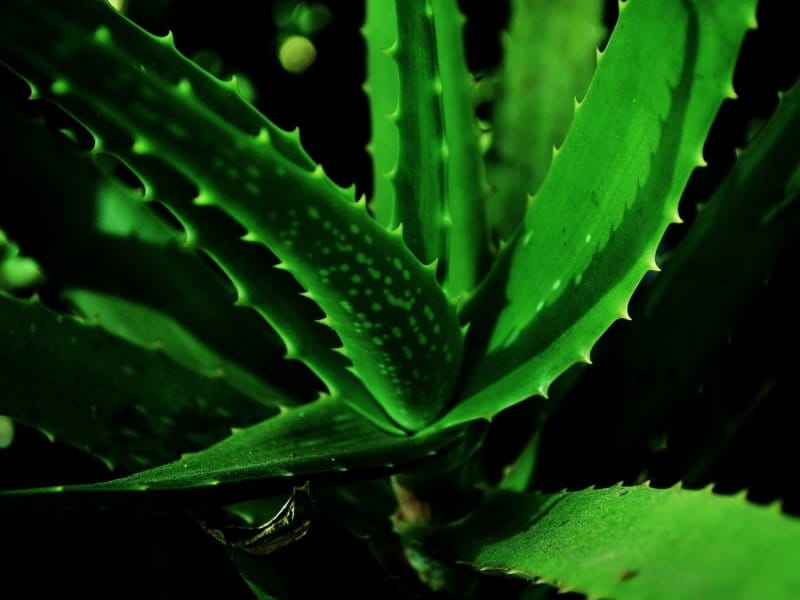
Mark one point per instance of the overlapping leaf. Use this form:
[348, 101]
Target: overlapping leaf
[131, 406]
[145, 112]
[758, 206]
[101, 238]
[719, 268]
[591, 231]
[428, 169]
[325, 440]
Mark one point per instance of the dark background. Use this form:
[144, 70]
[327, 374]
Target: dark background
[750, 380]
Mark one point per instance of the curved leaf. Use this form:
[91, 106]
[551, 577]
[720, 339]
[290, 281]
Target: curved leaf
[145, 326]
[633, 542]
[548, 61]
[591, 232]
[269, 291]
[322, 441]
[719, 268]
[101, 237]
[131, 406]
[758, 206]
[325, 240]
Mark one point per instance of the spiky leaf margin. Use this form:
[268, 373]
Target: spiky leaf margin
[591, 232]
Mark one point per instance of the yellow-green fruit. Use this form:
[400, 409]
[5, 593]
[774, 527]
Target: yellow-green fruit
[297, 54]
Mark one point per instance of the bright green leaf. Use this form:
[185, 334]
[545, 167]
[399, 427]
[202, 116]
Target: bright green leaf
[256, 179]
[633, 542]
[591, 231]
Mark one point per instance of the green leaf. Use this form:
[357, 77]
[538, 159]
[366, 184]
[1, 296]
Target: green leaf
[518, 475]
[591, 232]
[272, 293]
[633, 542]
[757, 205]
[144, 113]
[145, 327]
[427, 165]
[466, 255]
[130, 406]
[383, 89]
[548, 61]
[418, 172]
[120, 212]
[101, 237]
[323, 441]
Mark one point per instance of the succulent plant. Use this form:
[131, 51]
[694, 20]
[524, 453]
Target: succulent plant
[178, 265]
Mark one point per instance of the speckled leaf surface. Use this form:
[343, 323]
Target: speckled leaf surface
[591, 232]
[633, 543]
[261, 288]
[101, 237]
[320, 234]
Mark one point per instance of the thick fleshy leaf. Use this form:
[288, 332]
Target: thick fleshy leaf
[548, 61]
[661, 375]
[108, 73]
[383, 87]
[467, 244]
[758, 206]
[322, 442]
[418, 172]
[272, 293]
[102, 238]
[591, 232]
[145, 326]
[633, 542]
[428, 169]
[129, 405]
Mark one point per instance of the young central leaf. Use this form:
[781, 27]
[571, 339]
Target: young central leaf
[397, 327]
[427, 165]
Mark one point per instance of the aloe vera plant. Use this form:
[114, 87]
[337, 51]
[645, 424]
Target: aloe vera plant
[179, 265]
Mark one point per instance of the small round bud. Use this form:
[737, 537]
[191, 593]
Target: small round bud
[297, 54]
